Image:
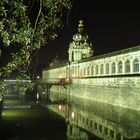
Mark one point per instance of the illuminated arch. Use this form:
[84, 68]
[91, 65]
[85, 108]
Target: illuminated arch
[88, 70]
[102, 69]
[120, 67]
[136, 65]
[107, 68]
[92, 70]
[113, 67]
[84, 71]
[127, 66]
[96, 69]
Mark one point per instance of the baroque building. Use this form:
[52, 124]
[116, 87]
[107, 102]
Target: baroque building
[107, 84]
[115, 72]
[83, 64]
[80, 48]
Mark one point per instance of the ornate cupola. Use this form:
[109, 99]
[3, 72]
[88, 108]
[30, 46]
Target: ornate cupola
[80, 48]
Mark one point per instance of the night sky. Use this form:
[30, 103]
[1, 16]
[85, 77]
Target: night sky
[110, 25]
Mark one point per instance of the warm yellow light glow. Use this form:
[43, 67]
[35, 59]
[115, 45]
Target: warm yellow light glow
[60, 107]
[73, 75]
[60, 76]
[37, 96]
[72, 114]
[38, 77]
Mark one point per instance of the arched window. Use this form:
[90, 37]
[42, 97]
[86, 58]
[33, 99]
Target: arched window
[88, 70]
[136, 65]
[102, 69]
[84, 72]
[127, 66]
[120, 67]
[92, 70]
[107, 68]
[97, 70]
[113, 67]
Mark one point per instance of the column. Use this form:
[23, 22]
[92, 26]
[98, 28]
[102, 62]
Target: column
[116, 66]
[131, 66]
[123, 67]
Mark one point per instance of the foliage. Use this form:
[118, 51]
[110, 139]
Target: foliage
[30, 24]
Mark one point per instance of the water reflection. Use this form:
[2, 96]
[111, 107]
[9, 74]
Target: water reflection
[85, 121]
[29, 121]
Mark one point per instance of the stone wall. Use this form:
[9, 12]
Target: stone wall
[113, 91]
[53, 74]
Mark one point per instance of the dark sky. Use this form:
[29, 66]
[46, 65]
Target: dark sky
[110, 25]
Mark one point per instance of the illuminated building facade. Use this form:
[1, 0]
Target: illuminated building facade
[114, 75]
[82, 64]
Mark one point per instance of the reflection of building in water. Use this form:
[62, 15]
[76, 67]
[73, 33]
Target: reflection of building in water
[83, 124]
[109, 80]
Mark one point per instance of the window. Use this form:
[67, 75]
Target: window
[84, 72]
[92, 70]
[88, 70]
[96, 70]
[107, 68]
[102, 69]
[127, 66]
[136, 65]
[120, 67]
[113, 68]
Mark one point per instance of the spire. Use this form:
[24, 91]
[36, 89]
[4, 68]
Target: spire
[81, 26]
[80, 35]
[80, 47]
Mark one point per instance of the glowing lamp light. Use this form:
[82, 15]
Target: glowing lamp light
[73, 75]
[37, 96]
[60, 76]
[73, 115]
[38, 77]
[60, 107]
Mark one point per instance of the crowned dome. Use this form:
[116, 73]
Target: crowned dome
[80, 36]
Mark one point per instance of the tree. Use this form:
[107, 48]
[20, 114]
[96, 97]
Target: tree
[27, 25]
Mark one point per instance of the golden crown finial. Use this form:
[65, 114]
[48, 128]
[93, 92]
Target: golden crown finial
[80, 25]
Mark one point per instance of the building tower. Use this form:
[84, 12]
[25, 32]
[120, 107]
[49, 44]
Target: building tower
[80, 48]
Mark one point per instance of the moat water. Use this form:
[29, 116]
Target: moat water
[24, 119]
[32, 120]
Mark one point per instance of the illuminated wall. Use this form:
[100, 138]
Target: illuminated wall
[117, 63]
[125, 62]
[54, 74]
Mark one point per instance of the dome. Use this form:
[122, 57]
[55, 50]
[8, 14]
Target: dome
[80, 37]
[80, 47]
